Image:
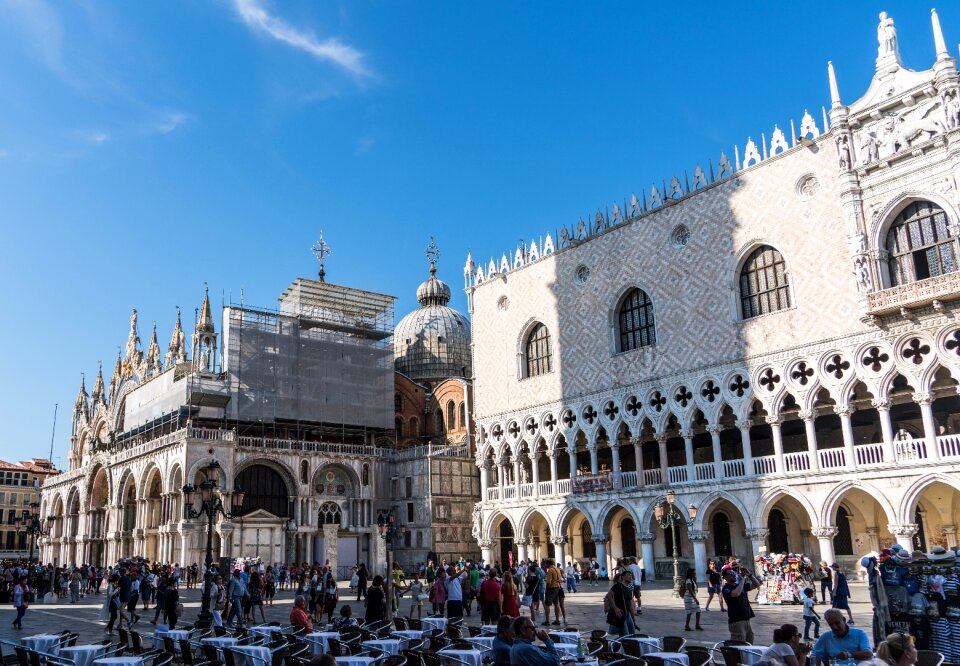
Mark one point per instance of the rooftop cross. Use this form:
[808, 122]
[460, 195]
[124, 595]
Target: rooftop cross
[321, 251]
[433, 255]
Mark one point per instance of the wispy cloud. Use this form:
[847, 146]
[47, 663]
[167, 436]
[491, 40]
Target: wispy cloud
[331, 50]
[169, 122]
[93, 136]
[40, 25]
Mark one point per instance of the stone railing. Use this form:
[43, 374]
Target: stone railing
[914, 295]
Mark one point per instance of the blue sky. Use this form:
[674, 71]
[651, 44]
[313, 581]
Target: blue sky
[148, 147]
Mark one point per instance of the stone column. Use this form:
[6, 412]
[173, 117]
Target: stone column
[638, 456]
[535, 472]
[825, 538]
[594, 460]
[699, 539]
[744, 427]
[504, 476]
[485, 470]
[517, 462]
[330, 536]
[554, 455]
[688, 453]
[486, 550]
[950, 532]
[600, 541]
[904, 534]
[925, 400]
[758, 540]
[661, 438]
[886, 427]
[558, 544]
[810, 427]
[714, 431]
[521, 545]
[775, 422]
[646, 553]
[573, 464]
[615, 452]
[873, 534]
[846, 427]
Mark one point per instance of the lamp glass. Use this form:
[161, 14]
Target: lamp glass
[692, 511]
[189, 494]
[671, 497]
[50, 521]
[658, 511]
[213, 471]
[206, 491]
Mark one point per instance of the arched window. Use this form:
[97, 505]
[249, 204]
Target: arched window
[451, 415]
[777, 524]
[414, 427]
[720, 526]
[635, 317]
[439, 419]
[365, 475]
[589, 547]
[399, 424]
[843, 542]
[764, 287]
[304, 471]
[329, 514]
[628, 538]
[397, 402]
[920, 244]
[264, 489]
[536, 351]
[463, 416]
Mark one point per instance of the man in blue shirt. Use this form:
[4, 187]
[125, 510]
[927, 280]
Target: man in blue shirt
[842, 641]
[525, 653]
[504, 641]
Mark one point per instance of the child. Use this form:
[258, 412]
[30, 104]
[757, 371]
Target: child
[809, 615]
[416, 596]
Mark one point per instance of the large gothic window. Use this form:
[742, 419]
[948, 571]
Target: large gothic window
[764, 286]
[451, 415]
[720, 526]
[843, 541]
[537, 352]
[264, 489]
[329, 513]
[635, 317]
[920, 244]
[777, 524]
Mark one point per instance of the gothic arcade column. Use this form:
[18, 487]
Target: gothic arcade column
[558, 544]
[601, 541]
[824, 537]
[950, 532]
[886, 427]
[714, 431]
[646, 553]
[661, 438]
[638, 456]
[521, 545]
[572, 453]
[774, 422]
[615, 453]
[904, 534]
[535, 472]
[699, 540]
[486, 550]
[846, 427]
[484, 479]
[758, 539]
[688, 454]
[744, 427]
[925, 400]
[594, 459]
[810, 428]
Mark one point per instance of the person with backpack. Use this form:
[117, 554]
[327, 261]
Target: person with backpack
[331, 597]
[219, 600]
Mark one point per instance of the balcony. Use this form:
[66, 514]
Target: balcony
[914, 295]
[905, 452]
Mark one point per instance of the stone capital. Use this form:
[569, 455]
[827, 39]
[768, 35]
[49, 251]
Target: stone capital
[774, 420]
[714, 429]
[908, 530]
[486, 543]
[554, 454]
[756, 533]
[521, 542]
[661, 437]
[558, 540]
[807, 414]
[923, 398]
[686, 434]
[647, 537]
[872, 531]
[698, 535]
[601, 538]
[949, 529]
[881, 404]
[825, 532]
[843, 410]
[745, 424]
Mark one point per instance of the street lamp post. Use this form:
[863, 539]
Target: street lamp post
[29, 523]
[387, 526]
[668, 516]
[211, 505]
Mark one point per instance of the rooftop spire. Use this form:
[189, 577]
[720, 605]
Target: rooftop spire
[98, 395]
[938, 40]
[81, 404]
[153, 364]
[205, 320]
[117, 376]
[321, 250]
[433, 255]
[434, 291]
[834, 89]
[177, 349]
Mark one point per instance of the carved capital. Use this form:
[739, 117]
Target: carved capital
[686, 434]
[923, 398]
[881, 403]
[647, 537]
[698, 535]
[807, 414]
[521, 542]
[661, 437]
[756, 533]
[842, 411]
[774, 420]
[601, 538]
[909, 530]
[486, 543]
[554, 454]
[746, 424]
[714, 429]
[872, 531]
[615, 444]
[949, 529]
[535, 457]
[825, 532]
[488, 464]
[558, 540]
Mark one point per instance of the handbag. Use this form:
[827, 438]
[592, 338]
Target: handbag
[422, 596]
[178, 610]
[528, 600]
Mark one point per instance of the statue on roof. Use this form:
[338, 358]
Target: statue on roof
[887, 37]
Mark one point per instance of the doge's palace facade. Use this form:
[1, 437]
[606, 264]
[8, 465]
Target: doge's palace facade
[775, 338]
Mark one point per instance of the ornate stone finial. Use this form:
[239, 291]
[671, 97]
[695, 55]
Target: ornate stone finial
[939, 42]
[433, 255]
[888, 51]
[82, 403]
[152, 363]
[635, 209]
[834, 88]
[321, 250]
[177, 349]
[133, 339]
[117, 376]
[205, 337]
[98, 397]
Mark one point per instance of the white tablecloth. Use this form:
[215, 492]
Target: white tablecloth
[251, 655]
[388, 645]
[82, 655]
[409, 634]
[488, 628]
[470, 657]
[567, 648]
[265, 629]
[356, 660]
[434, 623]
[176, 634]
[672, 658]
[749, 654]
[43, 642]
[318, 640]
[485, 642]
[118, 661]
[647, 645]
[219, 642]
[564, 636]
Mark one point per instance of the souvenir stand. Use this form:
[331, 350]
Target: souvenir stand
[782, 577]
[917, 593]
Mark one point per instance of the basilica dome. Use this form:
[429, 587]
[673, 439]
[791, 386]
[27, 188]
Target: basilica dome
[433, 341]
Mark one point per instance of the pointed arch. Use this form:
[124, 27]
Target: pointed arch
[606, 514]
[908, 505]
[771, 496]
[832, 500]
[494, 523]
[705, 505]
[526, 520]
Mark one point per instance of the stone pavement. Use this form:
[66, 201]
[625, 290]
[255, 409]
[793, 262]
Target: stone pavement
[662, 614]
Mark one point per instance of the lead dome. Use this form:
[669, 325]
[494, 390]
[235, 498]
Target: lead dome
[433, 341]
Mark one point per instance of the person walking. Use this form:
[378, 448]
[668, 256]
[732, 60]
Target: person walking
[737, 583]
[490, 598]
[417, 595]
[841, 592]
[508, 591]
[809, 614]
[75, 586]
[236, 591]
[20, 601]
[111, 605]
[691, 604]
[362, 577]
[171, 603]
[714, 584]
[330, 598]
[134, 597]
[454, 585]
[219, 600]
[618, 604]
[376, 602]
[255, 590]
[825, 574]
[551, 596]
